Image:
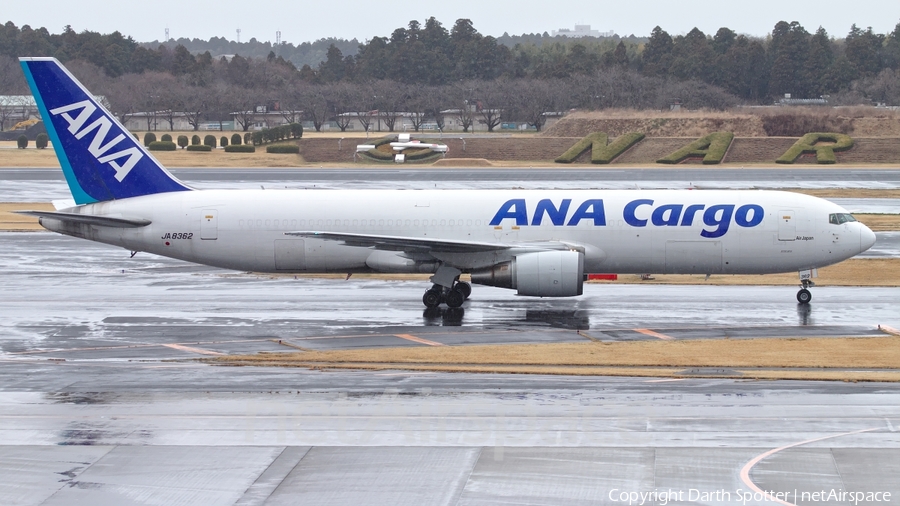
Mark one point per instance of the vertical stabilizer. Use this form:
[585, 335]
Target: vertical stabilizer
[100, 158]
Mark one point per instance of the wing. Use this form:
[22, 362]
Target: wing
[407, 244]
[427, 245]
[103, 221]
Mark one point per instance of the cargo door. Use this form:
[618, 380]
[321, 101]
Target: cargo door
[209, 225]
[787, 225]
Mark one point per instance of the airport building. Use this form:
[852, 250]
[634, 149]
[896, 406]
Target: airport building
[581, 31]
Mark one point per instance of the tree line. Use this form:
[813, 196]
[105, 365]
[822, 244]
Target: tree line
[426, 68]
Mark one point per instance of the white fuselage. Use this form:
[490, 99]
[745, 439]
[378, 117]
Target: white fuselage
[245, 229]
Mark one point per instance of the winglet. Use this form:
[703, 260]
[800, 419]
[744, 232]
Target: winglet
[99, 157]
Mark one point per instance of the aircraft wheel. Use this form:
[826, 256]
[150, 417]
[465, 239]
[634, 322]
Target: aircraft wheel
[455, 298]
[432, 298]
[465, 288]
[804, 296]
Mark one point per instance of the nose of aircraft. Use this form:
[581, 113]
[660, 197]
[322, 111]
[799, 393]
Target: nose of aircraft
[866, 238]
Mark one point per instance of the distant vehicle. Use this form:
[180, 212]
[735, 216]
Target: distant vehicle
[539, 243]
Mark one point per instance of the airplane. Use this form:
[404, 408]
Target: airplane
[541, 243]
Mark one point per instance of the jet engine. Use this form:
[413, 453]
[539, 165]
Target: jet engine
[541, 274]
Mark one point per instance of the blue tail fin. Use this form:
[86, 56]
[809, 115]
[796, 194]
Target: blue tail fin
[100, 158]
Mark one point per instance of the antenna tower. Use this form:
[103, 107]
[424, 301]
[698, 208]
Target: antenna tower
[277, 41]
[238, 35]
[167, 34]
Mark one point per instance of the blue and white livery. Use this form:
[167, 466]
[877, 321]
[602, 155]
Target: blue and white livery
[540, 243]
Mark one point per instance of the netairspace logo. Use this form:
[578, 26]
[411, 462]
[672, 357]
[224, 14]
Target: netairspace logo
[99, 147]
[745, 497]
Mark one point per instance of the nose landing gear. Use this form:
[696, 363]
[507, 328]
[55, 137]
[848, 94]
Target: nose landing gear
[804, 295]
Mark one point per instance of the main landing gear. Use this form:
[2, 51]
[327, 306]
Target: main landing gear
[453, 297]
[447, 288]
[804, 295]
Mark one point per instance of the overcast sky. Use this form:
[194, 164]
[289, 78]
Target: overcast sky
[305, 20]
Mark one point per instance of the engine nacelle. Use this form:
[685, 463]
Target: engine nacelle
[542, 274]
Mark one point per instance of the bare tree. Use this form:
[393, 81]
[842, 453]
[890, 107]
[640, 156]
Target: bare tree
[13, 90]
[194, 104]
[344, 98]
[122, 96]
[490, 103]
[290, 100]
[219, 105]
[166, 89]
[884, 88]
[390, 99]
[464, 106]
[243, 103]
[436, 98]
[90, 75]
[365, 105]
[417, 105]
[12, 108]
[537, 97]
[315, 105]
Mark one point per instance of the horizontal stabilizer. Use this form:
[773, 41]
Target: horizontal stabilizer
[102, 221]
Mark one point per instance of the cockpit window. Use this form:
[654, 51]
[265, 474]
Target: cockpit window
[838, 218]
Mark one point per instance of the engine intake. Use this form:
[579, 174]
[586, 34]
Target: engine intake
[541, 274]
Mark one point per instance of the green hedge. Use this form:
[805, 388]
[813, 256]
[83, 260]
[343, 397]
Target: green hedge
[622, 144]
[378, 156]
[182, 141]
[195, 140]
[240, 148]
[148, 138]
[41, 141]
[417, 155]
[166, 138]
[22, 142]
[824, 154]
[283, 148]
[162, 146]
[199, 147]
[236, 138]
[276, 134]
[711, 147]
[602, 152]
[572, 154]
[223, 141]
[209, 140]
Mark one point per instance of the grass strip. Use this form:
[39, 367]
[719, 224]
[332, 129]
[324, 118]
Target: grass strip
[805, 353]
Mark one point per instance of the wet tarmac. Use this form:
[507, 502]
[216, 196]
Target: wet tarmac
[102, 402]
[71, 299]
[28, 185]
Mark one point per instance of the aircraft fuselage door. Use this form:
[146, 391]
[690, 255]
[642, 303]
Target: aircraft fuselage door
[209, 225]
[787, 225]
